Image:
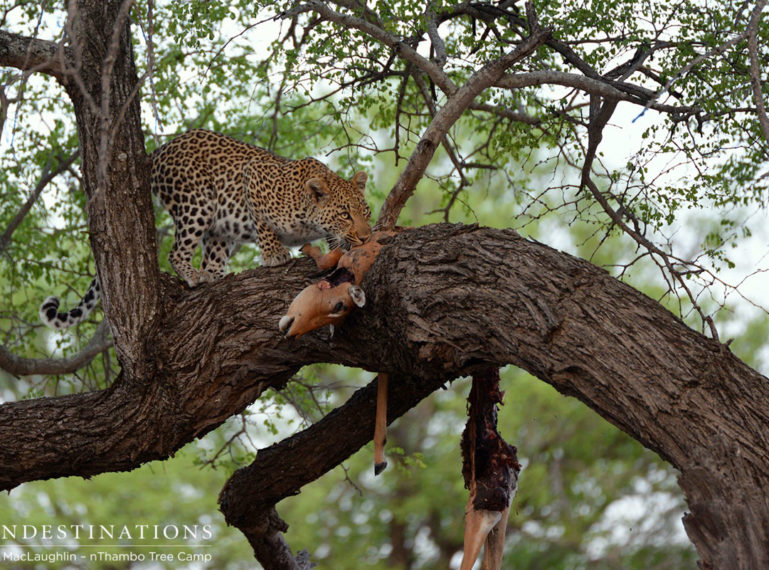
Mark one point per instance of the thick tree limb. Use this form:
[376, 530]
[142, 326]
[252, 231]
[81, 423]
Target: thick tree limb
[443, 300]
[316, 450]
[249, 497]
[32, 54]
[19, 366]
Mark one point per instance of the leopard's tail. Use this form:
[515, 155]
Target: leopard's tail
[50, 315]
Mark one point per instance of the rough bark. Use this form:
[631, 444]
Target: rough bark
[31, 54]
[103, 87]
[443, 301]
[283, 468]
[270, 548]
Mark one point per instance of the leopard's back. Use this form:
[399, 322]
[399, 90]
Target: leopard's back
[201, 171]
[221, 191]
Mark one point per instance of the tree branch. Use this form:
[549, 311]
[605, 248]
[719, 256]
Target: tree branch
[252, 492]
[618, 90]
[457, 103]
[506, 113]
[19, 366]
[601, 111]
[251, 489]
[435, 38]
[401, 48]
[718, 50]
[32, 54]
[443, 300]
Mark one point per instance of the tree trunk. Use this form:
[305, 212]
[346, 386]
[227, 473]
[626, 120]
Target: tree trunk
[102, 84]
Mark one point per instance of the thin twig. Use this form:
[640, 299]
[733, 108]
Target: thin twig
[45, 179]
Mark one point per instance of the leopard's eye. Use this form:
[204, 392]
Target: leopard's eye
[346, 215]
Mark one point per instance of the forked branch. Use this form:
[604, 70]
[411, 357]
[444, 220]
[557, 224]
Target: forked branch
[447, 115]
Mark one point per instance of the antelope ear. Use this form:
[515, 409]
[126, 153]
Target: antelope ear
[357, 295]
[360, 180]
[317, 188]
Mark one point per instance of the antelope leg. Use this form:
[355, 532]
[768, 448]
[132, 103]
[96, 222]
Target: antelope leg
[478, 524]
[495, 544]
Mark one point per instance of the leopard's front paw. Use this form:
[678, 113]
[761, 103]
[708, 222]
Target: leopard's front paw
[191, 279]
[196, 278]
[205, 277]
[276, 259]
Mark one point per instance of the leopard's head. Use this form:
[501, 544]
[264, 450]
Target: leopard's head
[341, 210]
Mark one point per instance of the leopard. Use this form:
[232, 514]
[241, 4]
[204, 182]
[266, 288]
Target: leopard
[222, 192]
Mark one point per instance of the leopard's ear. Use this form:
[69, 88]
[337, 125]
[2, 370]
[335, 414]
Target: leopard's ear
[317, 189]
[359, 179]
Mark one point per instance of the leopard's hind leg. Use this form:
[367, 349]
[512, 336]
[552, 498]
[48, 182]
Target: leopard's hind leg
[216, 252]
[192, 219]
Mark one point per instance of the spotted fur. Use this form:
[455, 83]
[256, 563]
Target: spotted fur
[221, 192]
[50, 315]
